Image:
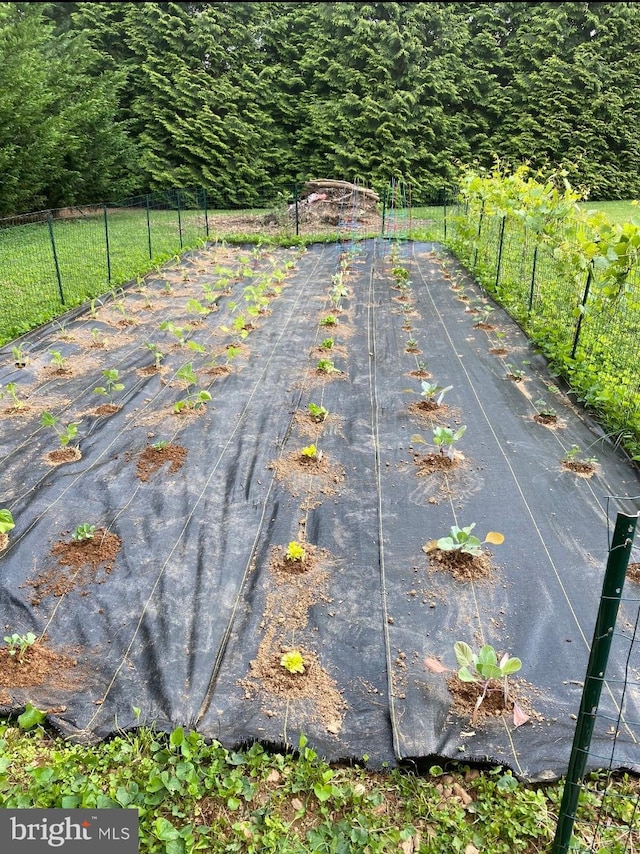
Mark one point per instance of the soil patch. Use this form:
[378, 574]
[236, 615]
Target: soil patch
[152, 459]
[547, 420]
[63, 455]
[633, 571]
[429, 409]
[89, 561]
[461, 565]
[106, 409]
[4, 541]
[150, 370]
[582, 469]
[498, 351]
[430, 463]
[285, 569]
[38, 665]
[218, 371]
[482, 325]
[465, 696]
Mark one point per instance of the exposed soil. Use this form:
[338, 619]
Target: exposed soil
[89, 562]
[498, 351]
[149, 370]
[12, 411]
[218, 371]
[429, 409]
[582, 469]
[430, 463]
[547, 420]
[297, 468]
[38, 665]
[633, 572]
[465, 696]
[106, 409]
[152, 459]
[4, 541]
[461, 565]
[482, 325]
[63, 455]
[284, 569]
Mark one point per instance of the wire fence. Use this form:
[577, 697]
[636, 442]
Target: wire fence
[53, 260]
[594, 815]
[590, 340]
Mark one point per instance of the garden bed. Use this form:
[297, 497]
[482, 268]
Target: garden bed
[187, 621]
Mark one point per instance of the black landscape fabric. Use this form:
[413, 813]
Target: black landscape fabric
[188, 622]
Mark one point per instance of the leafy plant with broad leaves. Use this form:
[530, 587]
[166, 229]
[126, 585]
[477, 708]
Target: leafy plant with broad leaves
[293, 661]
[65, 434]
[295, 552]
[83, 532]
[483, 668]
[11, 390]
[329, 320]
[326, 366]
[444, 438]
[310, 452]
[111, 385]
[433, 392]
[195, 398]
[19, 644]
[462, 540]
[6, 521]
[318, 413]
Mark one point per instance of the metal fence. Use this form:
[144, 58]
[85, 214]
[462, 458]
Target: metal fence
[595, 816]
[53, 260]
[592, 342]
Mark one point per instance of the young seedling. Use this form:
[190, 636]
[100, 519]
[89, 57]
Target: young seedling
[65, 434]
[194, 307]
[326, 366]
[83, 532]
[515, 373]
[20, 355]
[327, 344]
[19, 644]
[434, 393]
[158, 355]
[93, 311]
[310, 452]
[58, 361]
[411, 344]
[98, 338]
[483, 668]
[546, 412]
[293, 661]
[444, 439]
[195, 399]
[160, 445]
[295, 552]
[463, 541]
[6, 521]
[179, 332]
[574, 462]
[485, 313]
[329, 320]
[318, 413]
[10, 390]
[111, 385]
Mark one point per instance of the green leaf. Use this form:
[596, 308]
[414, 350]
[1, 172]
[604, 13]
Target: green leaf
[465, 675]
[487, 655]
[164, 830]
[31, 717]
[512, 665]
[177, 737]
[69, 802]
[464, 654]
[322, 792]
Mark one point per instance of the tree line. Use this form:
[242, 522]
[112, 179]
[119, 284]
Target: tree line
[102, 100]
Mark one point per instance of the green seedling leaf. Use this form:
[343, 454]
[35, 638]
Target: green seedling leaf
[31, 717]
[293, 661]
[464, 654]
[6, 521]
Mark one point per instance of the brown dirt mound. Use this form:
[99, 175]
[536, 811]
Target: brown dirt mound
[461, 565]
[152, 459]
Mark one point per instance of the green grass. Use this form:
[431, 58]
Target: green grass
[193, 796]
[619, 211]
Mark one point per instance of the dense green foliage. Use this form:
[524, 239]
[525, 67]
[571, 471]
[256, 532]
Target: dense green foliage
[569, 275]
[193, 796]
[102, 99]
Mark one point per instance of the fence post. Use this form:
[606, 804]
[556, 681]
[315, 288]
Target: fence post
[533, 277]
[475, 254]
[295, 198]
[584, 302]
[384, 210]
[504, 219]
[615, 573]
[55, 257]
[179, 217]
[206, 212]
[106, 238]
[444, 211]
[148, 227]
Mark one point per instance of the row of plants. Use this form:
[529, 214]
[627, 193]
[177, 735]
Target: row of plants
[568, 275]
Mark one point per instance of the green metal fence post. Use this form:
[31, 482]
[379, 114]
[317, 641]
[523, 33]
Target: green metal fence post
[55, 257]
[584, 302]
[148, 226]
[533, 277]
[475, 254]
[179, 217]
[295, 196]
[106, 238]
[206, 212]
[444, 211]
[504, 219]
[384, 210]
[615, 573]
